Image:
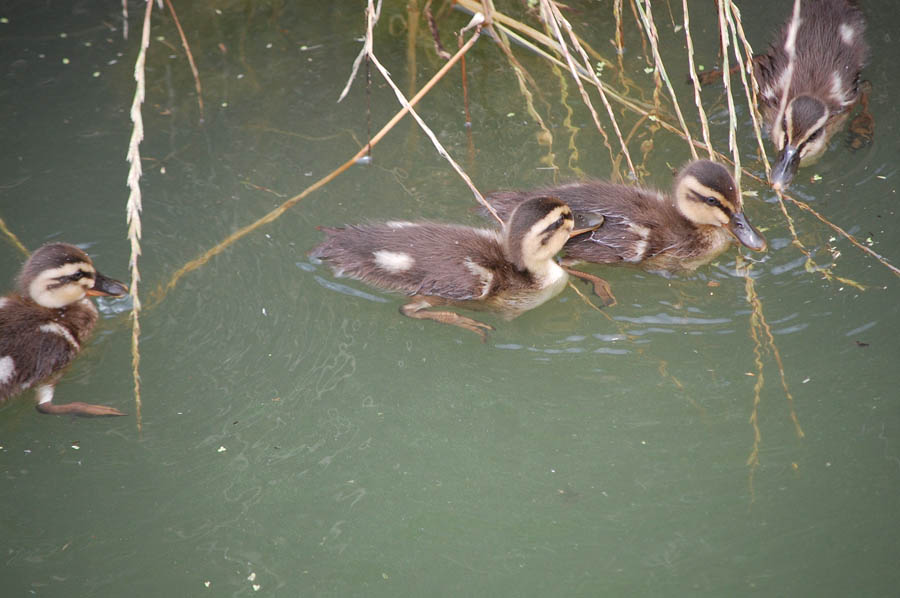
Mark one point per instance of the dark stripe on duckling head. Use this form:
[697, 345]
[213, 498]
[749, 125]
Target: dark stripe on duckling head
[530, 212]
[713, 201]
[804, 118]
[713, 180]
[538, 219]
[564, 217]
[70, 278]
[48, 257]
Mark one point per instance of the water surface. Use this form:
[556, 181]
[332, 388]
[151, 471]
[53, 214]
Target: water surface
[301, 438]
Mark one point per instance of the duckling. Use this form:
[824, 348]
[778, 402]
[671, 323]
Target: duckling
[829, 54]
[646, 228]
[46, 322]
[508, 271]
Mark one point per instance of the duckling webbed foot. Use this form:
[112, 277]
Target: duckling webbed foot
[416, 309]
[78, 409]
[45, 405]
[601, 287]
[862, 127]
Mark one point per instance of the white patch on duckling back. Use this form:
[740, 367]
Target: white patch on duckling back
[3, 302]
[400, 224]
[837, 88]
[485, 275]
[640, 247]
[489, 234]
[393, 261]
[7, 369]
[847, 33]
[54, 328]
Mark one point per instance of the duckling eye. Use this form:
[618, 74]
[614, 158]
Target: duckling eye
[815, 134]
[712, 201]
[75, 277]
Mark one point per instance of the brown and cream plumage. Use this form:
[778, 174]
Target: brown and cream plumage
[829, 53]
[647, 228]
[508, 271]
[47, 321]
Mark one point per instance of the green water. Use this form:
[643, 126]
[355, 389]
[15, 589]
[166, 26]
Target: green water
[303, 439]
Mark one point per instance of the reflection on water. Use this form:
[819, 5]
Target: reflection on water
[300, 437]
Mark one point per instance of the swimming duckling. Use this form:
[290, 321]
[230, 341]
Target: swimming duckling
[508, 271]
[829, 54]
[45, 323]
[646, 228]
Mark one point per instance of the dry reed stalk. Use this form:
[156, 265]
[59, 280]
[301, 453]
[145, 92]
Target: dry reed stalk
[470, 142]
[726, 78]
[281, 209]
[133, 208]
[488, 10]
[476, 22]
[190, 57]
[465, 86]
[432, 26]
[620, 41]
[553, 16]
[526, 83]
[124, 19]
[13, 238]
[650, 29]
[790, 50]
[753, 91]
[637, 20]
[704, 122]
[412, 72]
[360, 56]
[517, 30]
[412, 35]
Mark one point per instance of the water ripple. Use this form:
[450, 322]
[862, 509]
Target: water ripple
[663, 318]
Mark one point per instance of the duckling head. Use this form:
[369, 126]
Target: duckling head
[536, 231]
[800, 135]
[59, 274]
[706, 194]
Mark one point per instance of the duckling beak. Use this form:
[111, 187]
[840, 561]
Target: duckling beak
[107, 286]
[581, 231]
[744, 232]
[785, 167]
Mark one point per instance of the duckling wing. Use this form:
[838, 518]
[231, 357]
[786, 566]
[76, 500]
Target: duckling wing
[416, 258]
[32, 346]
